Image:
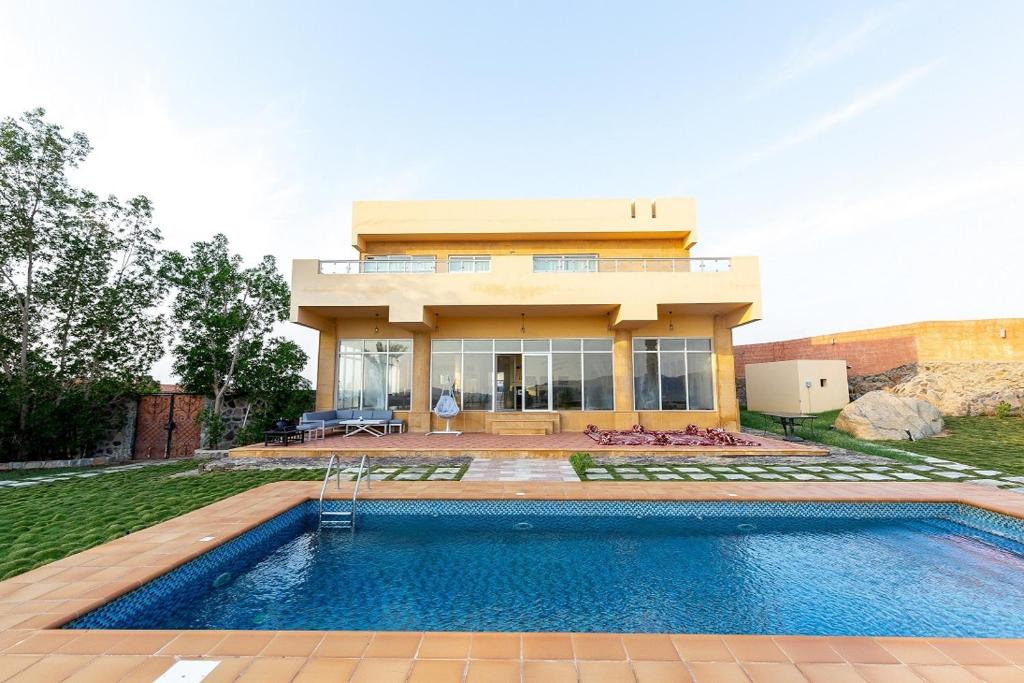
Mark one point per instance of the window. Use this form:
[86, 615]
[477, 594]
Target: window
[672, 373]
[469, 264]
[374, 374]
[565, 263]
[399, 263]
[581, 370]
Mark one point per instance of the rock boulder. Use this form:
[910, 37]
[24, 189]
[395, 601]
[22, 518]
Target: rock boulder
[880, 415]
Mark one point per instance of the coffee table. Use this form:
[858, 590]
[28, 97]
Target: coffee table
[376, 427]
[283, 437]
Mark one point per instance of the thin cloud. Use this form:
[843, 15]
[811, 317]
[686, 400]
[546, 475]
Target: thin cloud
[824, 48]
[852, 110]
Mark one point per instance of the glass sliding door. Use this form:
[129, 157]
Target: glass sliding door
[536, 380]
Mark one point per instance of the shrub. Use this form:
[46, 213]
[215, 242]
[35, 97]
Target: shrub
[1003, 409]
[581, 462]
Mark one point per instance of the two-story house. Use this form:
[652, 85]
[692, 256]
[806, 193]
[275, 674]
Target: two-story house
[541, 316]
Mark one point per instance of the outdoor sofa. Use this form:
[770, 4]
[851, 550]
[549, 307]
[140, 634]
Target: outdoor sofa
[349, 421]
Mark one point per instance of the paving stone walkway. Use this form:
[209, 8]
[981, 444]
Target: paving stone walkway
[500, 469]
[43, 478]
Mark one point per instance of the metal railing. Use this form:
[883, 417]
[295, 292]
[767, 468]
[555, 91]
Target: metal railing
[561, 264]
[346, 519]
[541, 264]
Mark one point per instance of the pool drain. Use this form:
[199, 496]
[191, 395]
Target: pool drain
[522, 526]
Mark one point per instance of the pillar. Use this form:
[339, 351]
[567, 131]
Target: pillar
[622, 366]
[728, 406]
[419, 415]
[327, 368]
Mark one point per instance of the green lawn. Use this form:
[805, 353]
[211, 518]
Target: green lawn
[42, 523]
[993, 442]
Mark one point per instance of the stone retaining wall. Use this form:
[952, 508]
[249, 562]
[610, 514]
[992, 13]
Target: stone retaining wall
[967, 387]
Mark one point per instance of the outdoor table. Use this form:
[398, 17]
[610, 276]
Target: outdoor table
[283, 437]
[789, 422]
[375, 427]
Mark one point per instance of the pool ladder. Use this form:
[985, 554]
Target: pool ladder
[340, 519]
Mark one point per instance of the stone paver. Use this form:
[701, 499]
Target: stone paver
[526, 469]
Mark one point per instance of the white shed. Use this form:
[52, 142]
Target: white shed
[797, 386]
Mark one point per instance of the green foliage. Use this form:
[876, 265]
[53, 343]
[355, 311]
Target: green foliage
[79, 287]
[581, 462]
[225, 313]
[1003, 409]
[213, 427]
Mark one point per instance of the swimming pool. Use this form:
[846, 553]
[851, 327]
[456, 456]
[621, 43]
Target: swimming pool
[907, 569]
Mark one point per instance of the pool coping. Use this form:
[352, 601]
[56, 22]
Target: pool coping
[35, 604]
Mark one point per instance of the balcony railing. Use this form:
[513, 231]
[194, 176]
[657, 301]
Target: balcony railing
[541, 264]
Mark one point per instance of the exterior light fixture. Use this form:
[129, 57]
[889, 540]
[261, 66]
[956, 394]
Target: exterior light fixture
[376, 325]
[522, 323]
[671, 325]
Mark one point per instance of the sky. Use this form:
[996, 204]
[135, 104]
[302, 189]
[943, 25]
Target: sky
[871, 154]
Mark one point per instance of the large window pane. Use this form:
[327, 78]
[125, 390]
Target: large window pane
[597, 344]
[536, 344]
[477, 381]
[374, 378]
[350, 379]
[567, 381]
[643, 344]
[699, 381]
[446, 345]
[508, 345]
[645, 381]
[698, 344]
[444, 370]
[673, 381]
[400, 381]
[565, 344]
[598, 385]
[673, 344]
[478, 345]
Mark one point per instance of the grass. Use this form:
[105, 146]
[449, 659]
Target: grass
[982, 441]
[48, 521]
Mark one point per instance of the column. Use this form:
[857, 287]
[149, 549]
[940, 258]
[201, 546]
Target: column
[622, 360]
[327, 367]
[419, 416]
[728, 406]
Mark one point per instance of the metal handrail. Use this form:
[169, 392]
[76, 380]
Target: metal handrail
[327, 477]
[355, 489]
[554, 263]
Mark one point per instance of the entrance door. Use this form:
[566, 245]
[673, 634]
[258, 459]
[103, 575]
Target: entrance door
[536, 380]
[507, 392]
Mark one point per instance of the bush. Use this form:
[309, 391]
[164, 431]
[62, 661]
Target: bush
[581, 462]
[1003, 409]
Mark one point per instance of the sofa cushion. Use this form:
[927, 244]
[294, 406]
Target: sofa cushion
[345, 414]
[382, 414]
[317, 416]
[363, 415]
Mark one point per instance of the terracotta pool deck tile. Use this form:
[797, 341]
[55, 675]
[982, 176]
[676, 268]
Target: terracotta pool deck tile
[494, 671]
[228, 669]
[437, 671]
[12, 664]
[754, 649]
[861, 650]
[496, 646]
[150, 669]
[937, 673]
[52, 668]
[594, 646]
[381, 671]
[700, 648]
[998, 674]
[914, 651]
[773, 672]
[193, 643]
[718, 672]
[447, 646]
[9, 638]
[326, 670]
[887, 673]
[143, 643]
[829, 673]
[606, 672]
[808, 649]
[352, 644]
[387, 645]
[43, 642]
[965, 651]
[271, 669]
[549, 672]
[91, 643]
[650, 647]
[106, 669]
[246, 644]
[547, 646]
[292, 644]
[661, 672]
[1010, 649]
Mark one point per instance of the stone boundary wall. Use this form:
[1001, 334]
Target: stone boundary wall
[56, 464]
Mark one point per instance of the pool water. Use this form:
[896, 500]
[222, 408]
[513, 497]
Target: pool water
[865, 570]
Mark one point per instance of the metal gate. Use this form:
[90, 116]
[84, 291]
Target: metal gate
[167, 425]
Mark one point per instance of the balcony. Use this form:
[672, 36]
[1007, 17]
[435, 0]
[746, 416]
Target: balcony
[630, 290]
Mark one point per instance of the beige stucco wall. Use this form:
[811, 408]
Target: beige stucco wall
[782, 386]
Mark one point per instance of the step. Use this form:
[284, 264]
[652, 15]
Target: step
[325, 513]
[336, 525]
[521, 431]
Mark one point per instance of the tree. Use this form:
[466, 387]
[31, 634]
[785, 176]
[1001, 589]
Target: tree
[79, 286]
[225, 313]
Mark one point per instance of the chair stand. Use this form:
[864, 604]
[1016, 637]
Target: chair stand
[447, 429]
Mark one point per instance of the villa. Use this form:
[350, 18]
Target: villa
[541, 316]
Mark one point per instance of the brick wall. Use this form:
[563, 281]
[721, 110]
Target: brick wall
[867, 357]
